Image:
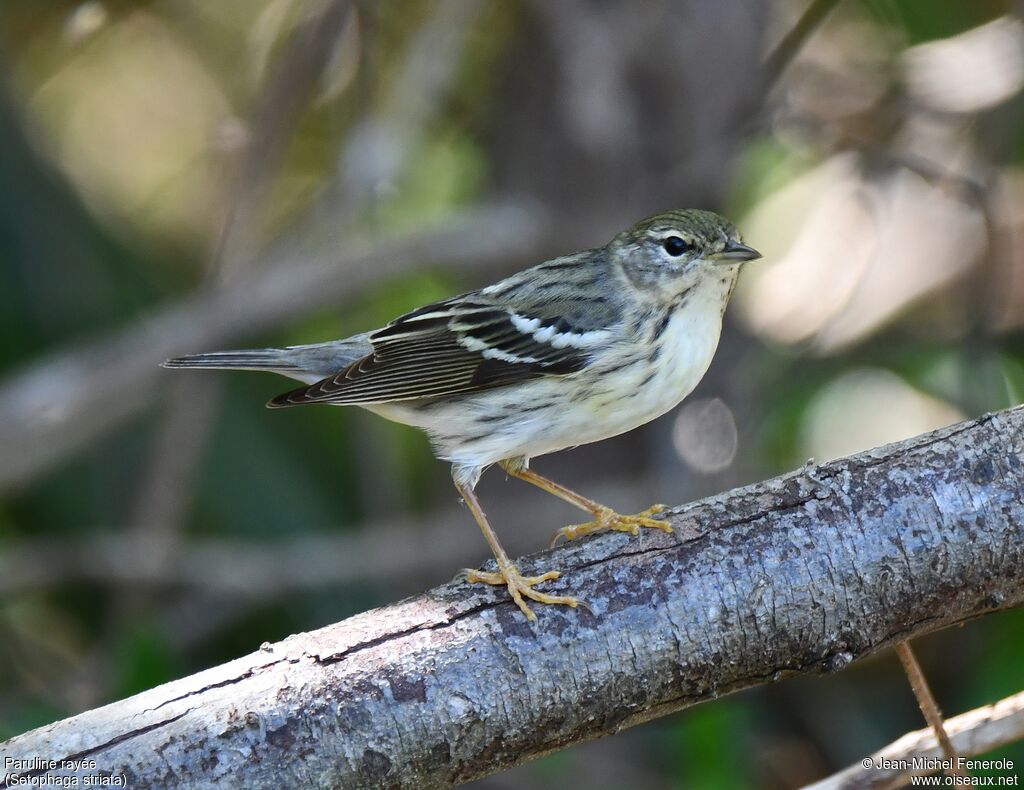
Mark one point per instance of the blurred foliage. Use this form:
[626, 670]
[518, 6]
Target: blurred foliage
[923, 20]
[121, 124]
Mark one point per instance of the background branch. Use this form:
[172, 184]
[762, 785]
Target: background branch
[191, 406]
[803, 573]
[795, 39]
[975, 732]
[257, 570]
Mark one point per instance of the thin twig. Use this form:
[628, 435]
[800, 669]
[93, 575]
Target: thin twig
[285, 98]
[926, 701]
[787, 49]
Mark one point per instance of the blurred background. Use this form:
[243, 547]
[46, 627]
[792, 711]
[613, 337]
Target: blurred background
[181, 176]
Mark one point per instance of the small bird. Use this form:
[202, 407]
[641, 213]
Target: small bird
[570, 351]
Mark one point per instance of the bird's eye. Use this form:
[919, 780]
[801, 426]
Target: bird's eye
[675, 246]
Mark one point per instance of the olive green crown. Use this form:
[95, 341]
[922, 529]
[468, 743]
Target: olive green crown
[697, 222]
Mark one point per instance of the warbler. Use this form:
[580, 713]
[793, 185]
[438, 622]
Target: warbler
[570, 351]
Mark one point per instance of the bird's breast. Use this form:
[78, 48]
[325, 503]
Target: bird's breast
[640, 378]
[667, 367]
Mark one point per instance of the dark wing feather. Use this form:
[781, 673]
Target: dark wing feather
[461, 345]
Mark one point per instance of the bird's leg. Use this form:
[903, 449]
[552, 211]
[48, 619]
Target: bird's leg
[507, 574]
[604, 517]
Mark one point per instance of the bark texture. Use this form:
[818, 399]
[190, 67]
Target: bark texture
[803, 573]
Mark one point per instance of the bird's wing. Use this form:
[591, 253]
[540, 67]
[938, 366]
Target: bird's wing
[463, 344]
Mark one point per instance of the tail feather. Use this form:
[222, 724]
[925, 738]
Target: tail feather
[251, 359]
[308, 364]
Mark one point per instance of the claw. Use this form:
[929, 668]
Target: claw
[608, 519]
[520, 586]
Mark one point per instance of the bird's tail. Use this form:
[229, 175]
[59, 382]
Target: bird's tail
[273, 359]
[308, 364]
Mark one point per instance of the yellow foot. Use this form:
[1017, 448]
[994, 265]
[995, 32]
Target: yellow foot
[606, 518]
[518, 586]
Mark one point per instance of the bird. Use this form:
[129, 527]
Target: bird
[573, 350]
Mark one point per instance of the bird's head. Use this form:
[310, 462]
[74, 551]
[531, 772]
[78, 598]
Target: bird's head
[677, 249]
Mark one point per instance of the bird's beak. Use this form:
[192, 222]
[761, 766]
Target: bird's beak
[735, 252]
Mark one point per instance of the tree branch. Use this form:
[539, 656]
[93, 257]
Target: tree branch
[803, 573]
[975, 732]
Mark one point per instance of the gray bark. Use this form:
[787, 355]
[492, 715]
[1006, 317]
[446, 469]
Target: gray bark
[803, 573]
